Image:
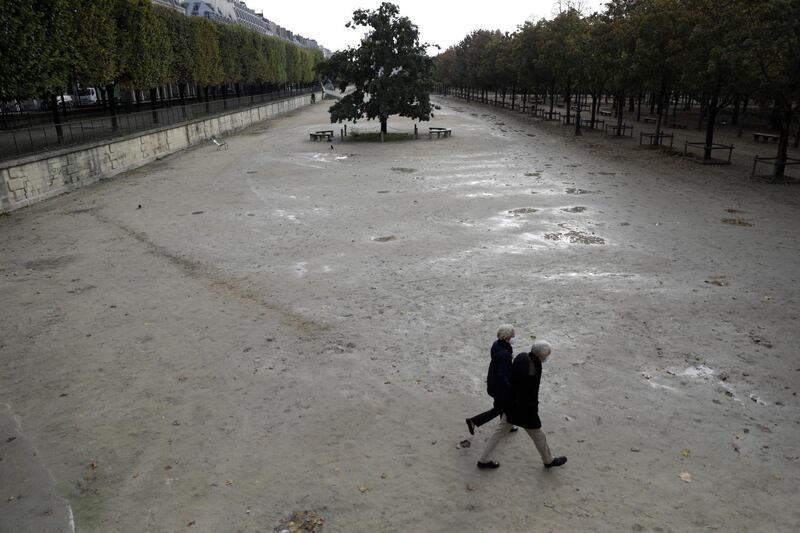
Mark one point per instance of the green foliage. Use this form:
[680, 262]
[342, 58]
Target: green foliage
[34, 54]
[143, 47]
[390, 71]
[207, 65]
[90, 36]
[48, 44]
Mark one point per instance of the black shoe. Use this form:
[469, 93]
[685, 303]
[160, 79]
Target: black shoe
[490, 464]
[513, 429]
[558, 461]
[471, 426]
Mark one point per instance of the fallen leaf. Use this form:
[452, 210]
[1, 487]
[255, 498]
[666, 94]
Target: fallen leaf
[168, 467]
[465, 443]
[363, 489]
[686, 452]
[384, 476]
[635, 449]
[228, 482]
[190, 524]
[470, 487]
[135, 475]
[93, 465]
[686, 476]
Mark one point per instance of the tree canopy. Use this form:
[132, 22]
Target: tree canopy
[390, 70]
[50, 44]
[717, 53]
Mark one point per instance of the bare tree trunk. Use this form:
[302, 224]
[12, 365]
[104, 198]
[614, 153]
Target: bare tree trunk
[786, 113]
[154, 104]
[56, 117]
[639, 108]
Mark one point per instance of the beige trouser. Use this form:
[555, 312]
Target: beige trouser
[502, 431]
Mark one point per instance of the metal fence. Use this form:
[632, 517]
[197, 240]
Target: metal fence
[35, 139]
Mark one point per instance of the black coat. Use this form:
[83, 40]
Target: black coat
[498, 381]
[526, 373]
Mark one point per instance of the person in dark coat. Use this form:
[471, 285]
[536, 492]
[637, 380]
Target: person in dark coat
[498, 380]
[523, 410]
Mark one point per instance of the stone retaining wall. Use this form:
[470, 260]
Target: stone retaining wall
[31, 179]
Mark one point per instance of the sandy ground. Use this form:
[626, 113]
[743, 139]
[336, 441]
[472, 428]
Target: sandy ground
[286, 327]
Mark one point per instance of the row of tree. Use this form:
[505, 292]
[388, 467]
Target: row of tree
[133, 44]
[716, 52]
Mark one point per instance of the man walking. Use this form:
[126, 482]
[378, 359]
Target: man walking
[526, 375]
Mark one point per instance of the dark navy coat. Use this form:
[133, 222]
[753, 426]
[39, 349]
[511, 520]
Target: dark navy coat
[526, 374]
[498, 381]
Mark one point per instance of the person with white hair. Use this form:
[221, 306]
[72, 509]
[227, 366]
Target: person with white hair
[498, 380]
[498, 384]
[523, 409]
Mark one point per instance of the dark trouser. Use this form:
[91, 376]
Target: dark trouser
[482, 418]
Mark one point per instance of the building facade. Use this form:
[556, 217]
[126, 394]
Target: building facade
[237, 12]
[171, 4]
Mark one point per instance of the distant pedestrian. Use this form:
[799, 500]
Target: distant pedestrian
[313, 98]
[526, 375]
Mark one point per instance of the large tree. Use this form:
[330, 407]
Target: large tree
[390, 70]
[774, 43]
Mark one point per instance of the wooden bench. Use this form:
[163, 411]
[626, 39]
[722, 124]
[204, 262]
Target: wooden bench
[677, 125]
[598, 123]
[766, 137]
[619, 131]
[322, 134]
[439, 132]
[649, 120]
[655, 140]
[605, 112]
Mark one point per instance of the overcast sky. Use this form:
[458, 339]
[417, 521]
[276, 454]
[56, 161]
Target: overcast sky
[442, 22]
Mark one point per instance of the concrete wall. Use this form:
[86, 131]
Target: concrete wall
[31, 179]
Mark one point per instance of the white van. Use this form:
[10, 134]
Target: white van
[87, 96]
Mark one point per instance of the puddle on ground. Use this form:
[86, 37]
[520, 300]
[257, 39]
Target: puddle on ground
[404, 170]
[737, 222]
[522, 211]
[575, 237]
[607, 173]
[534, 174]
[719, 281]
[576, 209]
[283, 214]
[384, 239]
[574, 190]
[382, 192]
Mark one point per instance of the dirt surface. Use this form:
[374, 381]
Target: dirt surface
[285, 331]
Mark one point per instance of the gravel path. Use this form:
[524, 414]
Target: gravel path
[286, 327]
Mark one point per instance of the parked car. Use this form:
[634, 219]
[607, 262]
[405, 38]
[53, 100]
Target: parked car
[87, 96]
[63, 100]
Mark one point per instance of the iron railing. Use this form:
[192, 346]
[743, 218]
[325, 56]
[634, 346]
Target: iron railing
[25, 141]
